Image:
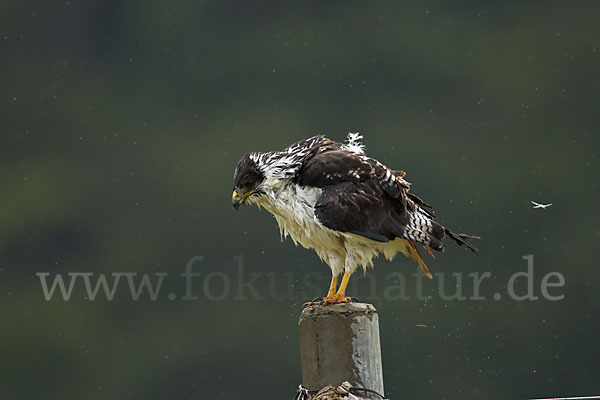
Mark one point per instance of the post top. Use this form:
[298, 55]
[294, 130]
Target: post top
[336, 309]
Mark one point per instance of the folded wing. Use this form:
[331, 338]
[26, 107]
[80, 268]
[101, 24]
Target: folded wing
[362, 196]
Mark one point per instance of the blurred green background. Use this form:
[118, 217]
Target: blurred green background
[122, 122]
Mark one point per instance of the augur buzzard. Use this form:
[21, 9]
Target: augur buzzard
[348, 207]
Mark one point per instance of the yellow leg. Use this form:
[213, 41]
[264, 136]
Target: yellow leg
[334, 297]
[332, 286]
[340, 295]
[342, 290]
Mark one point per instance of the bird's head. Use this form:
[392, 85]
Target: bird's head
[248, 179]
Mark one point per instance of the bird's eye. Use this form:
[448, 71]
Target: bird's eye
[250, 184]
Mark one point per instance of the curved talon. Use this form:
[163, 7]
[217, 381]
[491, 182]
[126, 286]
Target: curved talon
[317, 301]
[330, 300]
[327, 301]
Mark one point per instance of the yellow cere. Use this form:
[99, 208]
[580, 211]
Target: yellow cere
[235, 195]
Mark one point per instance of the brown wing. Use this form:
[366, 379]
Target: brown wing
[362, 196]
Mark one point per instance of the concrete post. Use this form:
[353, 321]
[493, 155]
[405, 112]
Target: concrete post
[341, 343]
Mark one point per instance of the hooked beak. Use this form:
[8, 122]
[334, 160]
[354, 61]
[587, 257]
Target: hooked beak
[237, 200]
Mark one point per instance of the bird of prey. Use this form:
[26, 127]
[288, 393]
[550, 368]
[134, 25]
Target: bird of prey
[348, 207]
[538, 205]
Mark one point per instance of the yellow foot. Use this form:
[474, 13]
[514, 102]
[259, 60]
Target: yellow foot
[315, 302]
[336, 299]
[330, 300]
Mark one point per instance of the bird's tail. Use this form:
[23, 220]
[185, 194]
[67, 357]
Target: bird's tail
[462, 238]
[459, 238]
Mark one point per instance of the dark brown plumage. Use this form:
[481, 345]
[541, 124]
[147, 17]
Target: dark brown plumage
[348, 207]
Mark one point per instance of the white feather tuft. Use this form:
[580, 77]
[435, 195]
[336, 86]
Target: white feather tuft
[354, 143]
